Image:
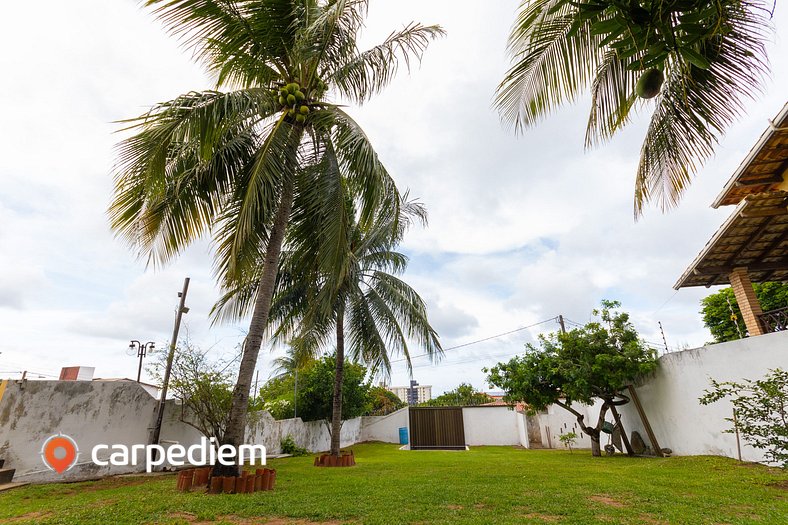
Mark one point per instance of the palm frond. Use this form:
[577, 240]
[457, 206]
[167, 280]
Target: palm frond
[555, 56]
[367, 73]
[171, 178]
[366, 175]
[612, 98]
[237, 40]
[695, 108]
[241, 234]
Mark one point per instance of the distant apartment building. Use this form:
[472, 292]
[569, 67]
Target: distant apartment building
[413, 394]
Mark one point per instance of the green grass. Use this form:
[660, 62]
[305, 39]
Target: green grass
[486, 485]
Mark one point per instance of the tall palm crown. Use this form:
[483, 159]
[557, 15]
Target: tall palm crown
[379, 310]
[237, 164]
[364, 304]
[217, 161]
[701, 59]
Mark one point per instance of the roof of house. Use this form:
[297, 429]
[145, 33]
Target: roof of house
[763, 168]
[754, 236]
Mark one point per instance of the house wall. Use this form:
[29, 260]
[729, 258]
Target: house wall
[670, 396]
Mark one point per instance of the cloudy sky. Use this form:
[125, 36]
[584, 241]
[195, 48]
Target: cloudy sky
[521, 228]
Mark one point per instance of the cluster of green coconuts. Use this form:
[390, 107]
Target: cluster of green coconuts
[291, 98]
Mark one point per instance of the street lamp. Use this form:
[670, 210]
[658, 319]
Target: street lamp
[142, 351]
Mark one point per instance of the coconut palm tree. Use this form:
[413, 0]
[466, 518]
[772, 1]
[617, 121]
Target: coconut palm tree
[365, 310]
[229, 163]
[701, 61]
[295, 359]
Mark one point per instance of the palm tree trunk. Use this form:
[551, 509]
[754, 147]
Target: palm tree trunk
[336, 416]
[236, 425]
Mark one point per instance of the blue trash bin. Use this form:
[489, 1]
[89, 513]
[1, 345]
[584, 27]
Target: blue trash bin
[403, 435]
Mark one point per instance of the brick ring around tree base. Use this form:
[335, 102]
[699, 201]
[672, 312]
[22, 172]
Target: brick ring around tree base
[327, 460]
[262, 479]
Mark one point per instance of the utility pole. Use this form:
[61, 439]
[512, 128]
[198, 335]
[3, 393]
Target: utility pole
[182, 309]
[256, 378]
[295, 395]
[561, 322]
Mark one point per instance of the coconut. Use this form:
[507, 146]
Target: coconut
[299, 95]
[300, 119]
[282, 101]
[304, 110]
[291, 100]
[650, 83]
[640, 15]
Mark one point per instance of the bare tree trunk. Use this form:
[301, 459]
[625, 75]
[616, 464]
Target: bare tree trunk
[336, 416]
[592, 432]
[596, 449]
[236, 425]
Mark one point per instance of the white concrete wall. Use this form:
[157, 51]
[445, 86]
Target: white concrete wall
[91, 412]
[559, 421]
[670, 397]
[385, 428]
[491, 425]
[115, 412]
[123, 412]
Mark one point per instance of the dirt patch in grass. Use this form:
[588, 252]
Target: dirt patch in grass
[454, 507]
[607, 500]
[781, 485]
[651, 520]
[528, 513]
[30, 516]
[547, 518]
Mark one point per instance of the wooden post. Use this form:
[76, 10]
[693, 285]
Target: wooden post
[736, 427]
[624, 437]
[748, 302]
[651, 436]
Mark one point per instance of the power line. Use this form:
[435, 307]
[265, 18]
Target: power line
[479, 340]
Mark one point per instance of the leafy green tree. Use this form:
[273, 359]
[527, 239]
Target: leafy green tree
[364, 306]
[278, 396]
[203, 385]
[316, 392]
[383, 401]
[596, 361]
[700, 60]
[237, 164]
[722, 323]
[761, 409]
[463, 395]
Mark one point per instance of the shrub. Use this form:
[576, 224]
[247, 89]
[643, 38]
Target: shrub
[289, 446]
[761, 410]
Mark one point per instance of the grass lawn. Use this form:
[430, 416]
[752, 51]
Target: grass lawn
[486, 485]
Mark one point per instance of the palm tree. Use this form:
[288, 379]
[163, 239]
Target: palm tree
[365, 309]
[295, 359]
[229, 163]
[701, 60]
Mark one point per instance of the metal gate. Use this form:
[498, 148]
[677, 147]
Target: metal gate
[436, 428]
